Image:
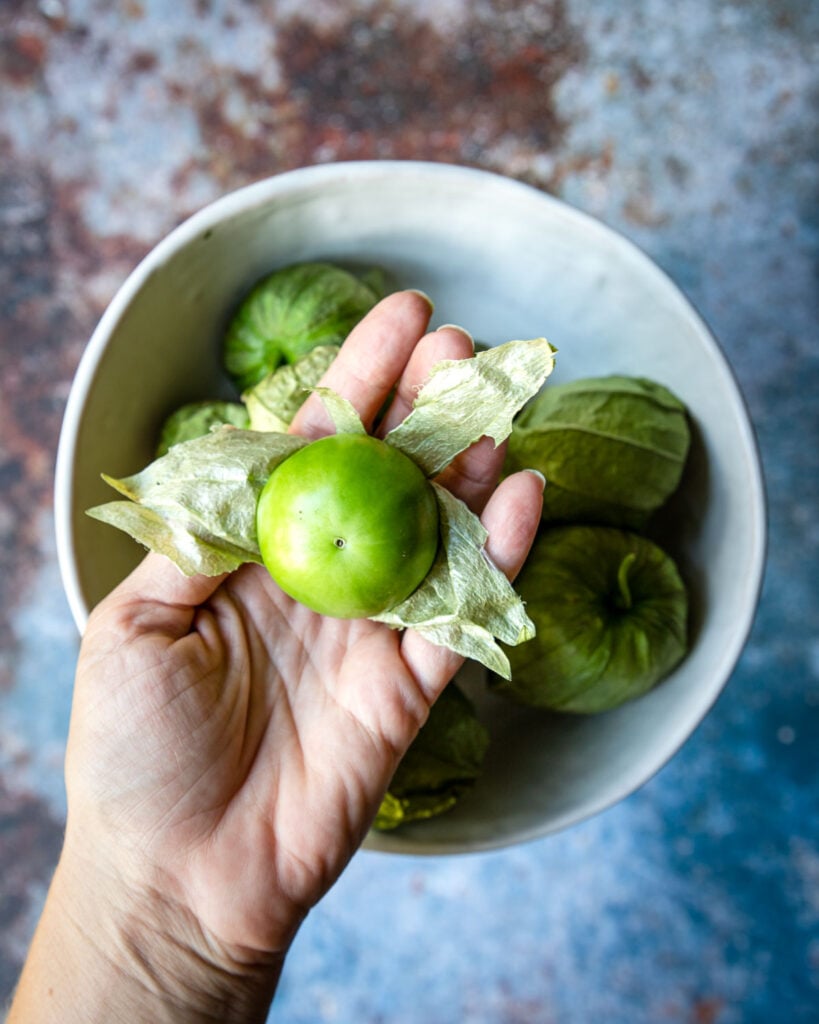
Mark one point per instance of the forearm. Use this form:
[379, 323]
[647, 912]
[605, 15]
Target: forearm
[96, 959]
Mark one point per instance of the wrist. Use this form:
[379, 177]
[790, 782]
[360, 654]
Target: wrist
[106, 950]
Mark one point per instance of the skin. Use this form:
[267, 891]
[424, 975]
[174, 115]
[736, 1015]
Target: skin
[228, 748]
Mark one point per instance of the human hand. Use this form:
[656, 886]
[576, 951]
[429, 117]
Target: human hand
[229, 748]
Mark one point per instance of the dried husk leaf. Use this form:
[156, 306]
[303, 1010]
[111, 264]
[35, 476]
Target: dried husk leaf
[273, 402]
[197, 503]
[466, 399]
[192, 552]
[465, 602]
[341, 411]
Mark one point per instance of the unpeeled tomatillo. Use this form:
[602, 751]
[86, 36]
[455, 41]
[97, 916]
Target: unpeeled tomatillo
[348, 526]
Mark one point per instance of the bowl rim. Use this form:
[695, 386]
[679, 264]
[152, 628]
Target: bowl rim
[315, 177]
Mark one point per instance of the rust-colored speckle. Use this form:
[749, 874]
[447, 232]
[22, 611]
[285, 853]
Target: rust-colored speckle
[640, 77]
[707, 1011]
[420, 91]
[133, 9]
[22, 57]
[141, 61]
[379, 86]
[639, 209]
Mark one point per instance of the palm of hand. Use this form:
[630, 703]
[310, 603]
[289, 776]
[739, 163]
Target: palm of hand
[260, 762]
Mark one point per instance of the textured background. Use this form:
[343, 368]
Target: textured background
[692, 128]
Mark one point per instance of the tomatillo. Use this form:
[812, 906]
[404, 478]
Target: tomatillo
[611, 612]
[348, 526]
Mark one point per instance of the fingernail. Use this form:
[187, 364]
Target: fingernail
[538, 474]
[461, 330]
[424, 296]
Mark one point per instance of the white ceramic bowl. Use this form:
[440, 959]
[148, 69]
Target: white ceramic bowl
[506, 261]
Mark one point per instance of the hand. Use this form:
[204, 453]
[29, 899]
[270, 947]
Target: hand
[228, 747]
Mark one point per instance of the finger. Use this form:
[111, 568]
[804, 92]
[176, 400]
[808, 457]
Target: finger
[511, 518]
[449, 342]
[473, 475]
[155, 597]
[370, 362]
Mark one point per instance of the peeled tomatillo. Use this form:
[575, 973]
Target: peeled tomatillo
[348, 526]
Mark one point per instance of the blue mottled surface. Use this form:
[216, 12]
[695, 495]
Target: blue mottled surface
[691, 128]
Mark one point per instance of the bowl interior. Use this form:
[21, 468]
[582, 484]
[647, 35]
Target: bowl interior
[506, 261]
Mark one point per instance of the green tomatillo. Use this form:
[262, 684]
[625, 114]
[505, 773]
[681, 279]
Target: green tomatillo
[612, 449]
[348, 526]
[196, 419]
[611, 614]
[443, 762]
[290, 312]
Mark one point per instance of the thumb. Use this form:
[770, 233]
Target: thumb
[155, 598]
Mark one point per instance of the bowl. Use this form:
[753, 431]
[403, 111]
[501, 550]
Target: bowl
[506, 261]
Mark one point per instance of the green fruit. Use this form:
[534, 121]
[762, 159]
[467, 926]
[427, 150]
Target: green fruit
[443, 761]
[196, 419]
[611, 613]
[612, 449]
[289, 313]
[348, 526]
